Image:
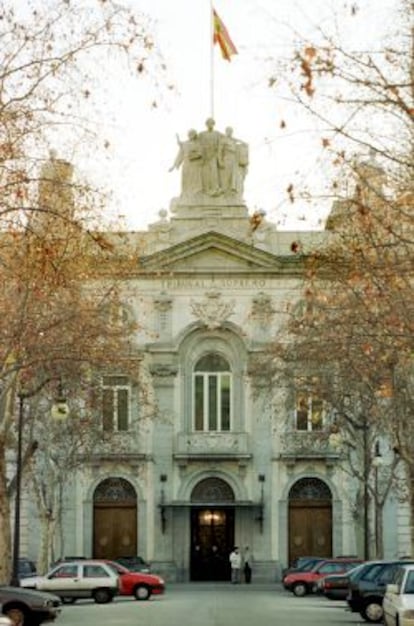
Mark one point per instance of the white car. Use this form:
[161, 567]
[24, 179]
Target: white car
[77, 579]
[398, 601]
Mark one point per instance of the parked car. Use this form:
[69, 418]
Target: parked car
[78, 579]
[366, 594]
[134, 563]
[26, 567]
[302, 583]
[5, 621]
[335, 586]
[67, 559]
[302, 563]
[26, 607]
[138, 584]
[398, 603]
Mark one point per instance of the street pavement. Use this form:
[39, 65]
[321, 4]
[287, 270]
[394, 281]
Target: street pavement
[213, 604]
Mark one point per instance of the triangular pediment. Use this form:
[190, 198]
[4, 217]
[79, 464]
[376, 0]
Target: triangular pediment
[211, 251]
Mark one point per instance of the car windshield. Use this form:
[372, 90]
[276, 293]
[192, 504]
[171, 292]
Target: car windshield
[306, 566]
[355, 572]
[118, 569]
[374, 571]
[409, 583]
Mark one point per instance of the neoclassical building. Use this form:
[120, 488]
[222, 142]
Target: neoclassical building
[208, 459]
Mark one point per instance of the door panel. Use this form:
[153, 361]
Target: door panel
[310, 530]
[212, 540]
[115, 531]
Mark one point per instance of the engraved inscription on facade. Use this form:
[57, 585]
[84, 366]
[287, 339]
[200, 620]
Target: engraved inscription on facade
[218, 283]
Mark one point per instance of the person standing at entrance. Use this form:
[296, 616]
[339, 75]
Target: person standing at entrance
[247, 566]
[235, 563]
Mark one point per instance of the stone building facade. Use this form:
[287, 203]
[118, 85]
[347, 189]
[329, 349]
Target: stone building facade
[198, 456]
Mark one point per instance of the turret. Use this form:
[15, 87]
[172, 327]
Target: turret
[55, 195]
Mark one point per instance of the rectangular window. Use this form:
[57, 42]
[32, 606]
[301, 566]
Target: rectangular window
[309, 412]
[115, 403]
[225, 402]
[199, 403]
[212, 402]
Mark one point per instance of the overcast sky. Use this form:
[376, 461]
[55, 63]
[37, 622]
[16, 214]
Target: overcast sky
[142, 136]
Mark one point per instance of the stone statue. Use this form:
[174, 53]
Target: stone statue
[210, 140]
[190, 157]
[214, 166]
[233, 161]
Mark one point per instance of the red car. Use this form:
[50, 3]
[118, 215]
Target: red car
[137, 584]
[301, 583]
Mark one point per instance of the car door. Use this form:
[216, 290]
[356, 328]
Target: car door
[96, 575]
[63, 580]
[392, 600]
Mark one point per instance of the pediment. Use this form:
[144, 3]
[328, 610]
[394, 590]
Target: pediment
[211, 251]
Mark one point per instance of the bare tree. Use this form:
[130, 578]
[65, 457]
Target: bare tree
[59, 304]
[357, 319]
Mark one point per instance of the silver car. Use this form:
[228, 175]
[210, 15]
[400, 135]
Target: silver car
[26, 607]
[77, 579]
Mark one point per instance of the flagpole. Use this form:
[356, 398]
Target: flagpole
[211, 60]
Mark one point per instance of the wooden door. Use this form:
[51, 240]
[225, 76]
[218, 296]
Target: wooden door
[310, 529]
[115, 531]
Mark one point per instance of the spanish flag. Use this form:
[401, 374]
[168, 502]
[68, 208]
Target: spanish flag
[222, 37]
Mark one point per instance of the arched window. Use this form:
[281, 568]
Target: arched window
[212, 394]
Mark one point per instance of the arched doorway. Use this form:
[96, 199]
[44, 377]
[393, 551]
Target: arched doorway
[310, 519]
[212, 530]
[114, 519]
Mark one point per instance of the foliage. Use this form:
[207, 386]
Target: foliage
[356, 326]
[60, 311]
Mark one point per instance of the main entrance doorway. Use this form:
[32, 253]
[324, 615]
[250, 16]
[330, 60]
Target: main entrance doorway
[115, 519]
[310, 519]
[212, 530]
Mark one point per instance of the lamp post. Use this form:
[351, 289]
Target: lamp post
[377, 462]
[260, 518]
[366, 491]
[15, 582]
[59, 410]
[163, 517]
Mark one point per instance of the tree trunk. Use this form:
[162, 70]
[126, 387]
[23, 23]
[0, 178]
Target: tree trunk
[5, 531]
[47, 532]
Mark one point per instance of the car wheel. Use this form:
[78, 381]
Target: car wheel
[373, 611]
[69, 600]
[102, 596]
[17, 615]
[300, 589]
[142, 592]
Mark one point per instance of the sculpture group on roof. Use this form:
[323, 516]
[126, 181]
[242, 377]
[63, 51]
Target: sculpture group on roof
[212, 164]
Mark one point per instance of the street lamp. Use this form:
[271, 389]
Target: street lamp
[15, 582]
[366, 453]
[377, 462]
[59, 410]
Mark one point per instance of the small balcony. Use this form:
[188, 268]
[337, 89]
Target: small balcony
[213, 446]
[304, 445]
[118, 447]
